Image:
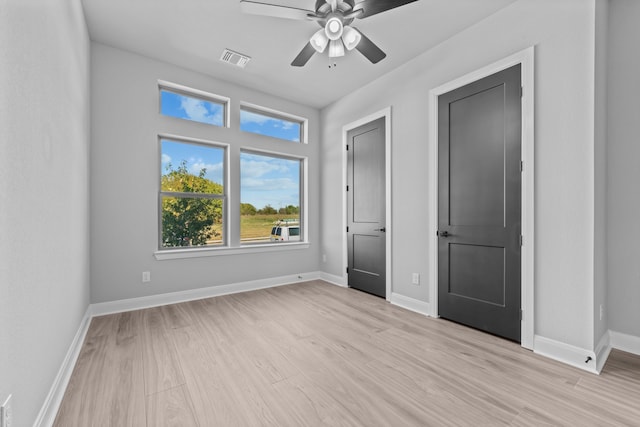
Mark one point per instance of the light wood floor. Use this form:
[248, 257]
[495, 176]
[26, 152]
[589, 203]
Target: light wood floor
[315, 354]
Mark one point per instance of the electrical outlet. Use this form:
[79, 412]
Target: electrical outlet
[6, 415]
[415, 278]
[146, 276]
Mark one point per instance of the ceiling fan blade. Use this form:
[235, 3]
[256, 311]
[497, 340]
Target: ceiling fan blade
[369, 49]
[372, 7]
[305, 54]
[276, 10]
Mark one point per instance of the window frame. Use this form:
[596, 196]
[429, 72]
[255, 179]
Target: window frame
[303, 189]
[178, 89]
[211, 196]
[277, 115]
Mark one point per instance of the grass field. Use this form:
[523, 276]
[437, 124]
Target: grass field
[258, 227]
[253, 228]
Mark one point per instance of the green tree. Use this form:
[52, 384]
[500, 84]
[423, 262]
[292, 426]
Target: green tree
[267, 210]
[189, 221]
[247, 209]
[289, 210]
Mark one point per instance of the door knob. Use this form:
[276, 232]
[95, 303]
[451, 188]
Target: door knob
[383, 229]
[443, 233]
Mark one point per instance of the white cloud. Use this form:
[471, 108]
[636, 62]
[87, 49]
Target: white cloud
[212, 168]
[249, 117]
[196, 109]
[258, 168]
[255, 184]
[166, 159]
[284, 125]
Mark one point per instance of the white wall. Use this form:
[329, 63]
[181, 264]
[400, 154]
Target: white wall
[623, 173]
[44, 203]
[124, 180]
[563, 35]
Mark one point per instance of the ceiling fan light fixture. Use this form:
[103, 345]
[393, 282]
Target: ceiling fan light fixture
[351, 37]
[319, 41]
[336, 48]
[334, 28]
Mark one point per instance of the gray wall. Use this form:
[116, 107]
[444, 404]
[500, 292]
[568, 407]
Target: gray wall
[125, 122]
[623, 173]
[600, 165]
[44, 202]
[563, 34]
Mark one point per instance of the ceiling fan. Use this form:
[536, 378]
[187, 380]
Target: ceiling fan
[335, 17]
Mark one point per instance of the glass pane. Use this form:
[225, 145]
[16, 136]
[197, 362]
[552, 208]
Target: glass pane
[191, 108]
[251, 121]
[191, 168]
[269, 196]
[191, 222]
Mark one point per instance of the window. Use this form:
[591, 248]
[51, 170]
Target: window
[190, 104]
[271, 123]
[195, 196]
[270, 196]
[192, 193]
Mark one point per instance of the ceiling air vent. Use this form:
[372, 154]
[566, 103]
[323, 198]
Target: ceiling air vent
[234, 58]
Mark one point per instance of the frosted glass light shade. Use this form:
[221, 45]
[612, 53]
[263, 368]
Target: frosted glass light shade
[351, 37]
[319, 41]
[336, 48]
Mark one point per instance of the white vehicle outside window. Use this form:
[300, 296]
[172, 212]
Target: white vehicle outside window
[286, 231]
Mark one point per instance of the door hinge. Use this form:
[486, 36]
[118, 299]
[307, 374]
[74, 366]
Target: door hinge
[521, 315]
[347, 229]
[521, 92]
[347, 188]
[347, 270]
[521, 240]
[347, 147]
[521, 165]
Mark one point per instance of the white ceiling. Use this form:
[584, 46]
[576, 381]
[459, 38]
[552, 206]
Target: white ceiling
[193, 33]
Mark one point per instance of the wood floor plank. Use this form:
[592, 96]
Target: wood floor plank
[205, 377]
[109, 366]
[314, 354]
[162, 370]
[171, 408]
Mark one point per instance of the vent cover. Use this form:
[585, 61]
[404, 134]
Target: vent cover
[234, 58]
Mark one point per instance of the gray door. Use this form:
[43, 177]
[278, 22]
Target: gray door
[479, 174]
[366, 208]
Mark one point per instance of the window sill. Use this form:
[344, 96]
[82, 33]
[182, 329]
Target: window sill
[208, 252]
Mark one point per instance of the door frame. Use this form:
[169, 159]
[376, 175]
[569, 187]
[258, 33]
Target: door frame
[386, 113]
[526, 58]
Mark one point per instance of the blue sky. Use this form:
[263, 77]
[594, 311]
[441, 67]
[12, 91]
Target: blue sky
[277, 128]
[264, 179]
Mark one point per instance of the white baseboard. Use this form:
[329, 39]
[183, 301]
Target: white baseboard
[411, 304]
[334, 280]
[120, 306]
[49, 409]
[603, 349]
[565, 353]
[625, 342]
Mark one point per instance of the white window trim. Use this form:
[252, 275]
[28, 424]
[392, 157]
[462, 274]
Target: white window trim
[304, 211]
[210, 251]
[304, 122]
[226, 217]
[226, 249]
[200, 94]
